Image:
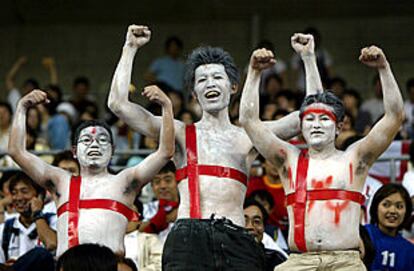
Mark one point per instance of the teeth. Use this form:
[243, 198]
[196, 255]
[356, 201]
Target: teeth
[212, 94]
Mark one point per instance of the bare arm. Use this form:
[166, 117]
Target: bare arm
[132, 114]
[152, 164]
[36, 168]
[47, 235]
[49, 64]
[383, 133]
[11, 75]
[304, 45]
[269, 145]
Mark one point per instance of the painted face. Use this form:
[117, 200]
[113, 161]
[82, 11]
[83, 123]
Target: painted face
[391, 211]
[319, 125]
[212, 87]
[254, 222]
[94, 148]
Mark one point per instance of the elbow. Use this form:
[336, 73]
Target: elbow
[51, 246]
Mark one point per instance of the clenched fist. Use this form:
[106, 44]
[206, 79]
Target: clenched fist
[34, 97]
[155, 94]
[262, 59]
[373, 57]
[137, 36]
[303, 44]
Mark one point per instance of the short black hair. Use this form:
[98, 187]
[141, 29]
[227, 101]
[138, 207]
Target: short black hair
[353, 93]
[20, 176]
[63, 156]
[250, 201]
[8, 108]
[273, 76]
[90, 123]
[127, 261]
[173, 39]
[87, 257]
[410, 84]
[385, 191]
[81, 80]
[263, 195]
[31, 81]
[267, 44]
[328, 98]
[411, 152]
[368, 246]
[210, 55]
[169, 167]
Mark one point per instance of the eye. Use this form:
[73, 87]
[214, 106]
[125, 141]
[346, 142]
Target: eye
[86, 140]
[103, 140]
[200, 80]
[386, 204]
[218, 77]
[400, 206]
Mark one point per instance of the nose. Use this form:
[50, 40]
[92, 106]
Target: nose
[210, 82]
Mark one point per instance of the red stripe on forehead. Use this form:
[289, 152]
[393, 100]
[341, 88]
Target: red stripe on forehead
[93, 130]
[319, 111]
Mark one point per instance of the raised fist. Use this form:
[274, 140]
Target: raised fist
[373, 57]
[48, 62]
[303, 44]
[155, 94]
[34, 97]
[137, 36]
[262, 59]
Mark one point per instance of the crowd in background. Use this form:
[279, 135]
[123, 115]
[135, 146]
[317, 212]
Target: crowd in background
[49, 127]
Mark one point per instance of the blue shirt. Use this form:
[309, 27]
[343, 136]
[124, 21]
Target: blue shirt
[169, 71]
[391, 253]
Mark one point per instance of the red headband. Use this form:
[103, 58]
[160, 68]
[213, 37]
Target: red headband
[319, 111]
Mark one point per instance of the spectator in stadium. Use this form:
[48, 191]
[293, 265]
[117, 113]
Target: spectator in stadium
[255, 216]
[409, 109]
[81, 97]
[6, 115]
[31, 227]
[390, 210]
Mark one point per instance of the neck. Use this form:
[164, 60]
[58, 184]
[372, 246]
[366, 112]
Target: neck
[388, 231]
[26, 221]
[93, 172]
[322, 152]
[216, 119]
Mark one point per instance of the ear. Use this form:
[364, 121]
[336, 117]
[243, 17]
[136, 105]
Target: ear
[73, 150]
[339, 127]
[234, 88]
[194, 95]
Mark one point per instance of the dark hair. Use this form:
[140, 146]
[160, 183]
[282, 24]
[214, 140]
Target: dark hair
[90, 123]
[173, 39]
[250, 201]
[263, 195]
[210, 55]
[273, 76]
[8, 108]
[337, 80]
[20, 176]
[169, 167]
[87, 257]
[385, 191]
[267, 44]
[411, 152]
[282, 112]
[328, 98]
[349, 141]
[7, 175]
[39, 118]
[128, 262]
[353, 93]
[81, 80]
[31, 81]
[64, 156]
[410, 84]
[368, 246]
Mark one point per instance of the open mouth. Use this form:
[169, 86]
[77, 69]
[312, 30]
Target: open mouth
[94, 153]
[212, 94]
[317, 133]
[392, 218]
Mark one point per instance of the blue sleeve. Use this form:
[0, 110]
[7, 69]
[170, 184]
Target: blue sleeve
[155, 66]
[58, 132]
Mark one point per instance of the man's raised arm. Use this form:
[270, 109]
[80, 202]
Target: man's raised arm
[152, 164]
[304, 45]
[268, 144]
[383, 133]
[36, 168]
[132, 114]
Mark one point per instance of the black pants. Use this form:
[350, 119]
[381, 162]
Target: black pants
[211, 244]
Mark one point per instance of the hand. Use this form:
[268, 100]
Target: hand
[36, 204]
[262, 59]
[34, 97]
[6, 201]
[373, 57]
[303, 44]
[155, 94]
[137, 36]
[21, 60]
[48, 62]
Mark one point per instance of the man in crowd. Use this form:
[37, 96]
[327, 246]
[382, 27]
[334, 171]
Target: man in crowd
[323, 185]
[94, 206]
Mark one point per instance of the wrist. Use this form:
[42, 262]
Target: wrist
[38, 215]
[307, 56]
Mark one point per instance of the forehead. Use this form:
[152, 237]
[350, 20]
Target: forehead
[394, 197]
[22, 185]
[164, 175]
[209, 69]
[252, 211]
[93, 130]
[316, 107]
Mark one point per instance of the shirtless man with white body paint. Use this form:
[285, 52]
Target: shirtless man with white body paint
[93, 207]
[220, 153]
[323, 185]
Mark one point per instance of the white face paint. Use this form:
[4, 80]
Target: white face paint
[318, 128]
[212, 87]
[94, 147]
